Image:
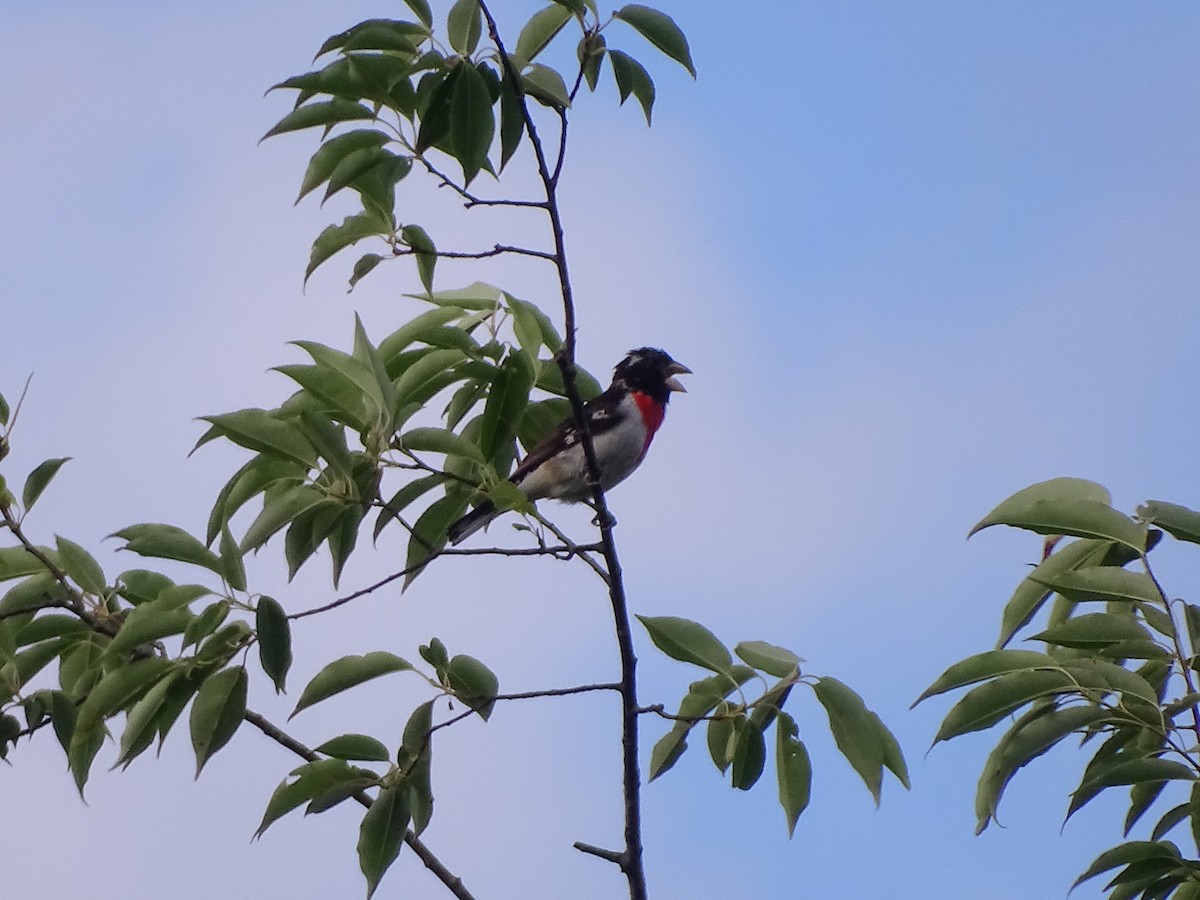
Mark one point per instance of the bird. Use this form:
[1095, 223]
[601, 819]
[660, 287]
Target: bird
[623, 421]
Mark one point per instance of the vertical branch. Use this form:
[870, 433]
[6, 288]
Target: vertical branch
[630, 860]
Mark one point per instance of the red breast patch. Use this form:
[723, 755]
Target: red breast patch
[652, 416]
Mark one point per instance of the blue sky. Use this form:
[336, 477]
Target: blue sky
[918, 255]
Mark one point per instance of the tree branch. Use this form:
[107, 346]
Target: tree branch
[566, 551]
[630, 861]
[452, 882]
[478, 254]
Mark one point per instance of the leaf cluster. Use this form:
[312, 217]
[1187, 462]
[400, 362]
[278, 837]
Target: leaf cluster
[736, 725]
[143, 649]
[1116, 674]
[347, 445]
[396, 94]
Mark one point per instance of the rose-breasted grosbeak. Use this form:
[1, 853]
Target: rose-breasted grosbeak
[622, 421]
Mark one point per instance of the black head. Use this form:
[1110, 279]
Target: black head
[652, 372]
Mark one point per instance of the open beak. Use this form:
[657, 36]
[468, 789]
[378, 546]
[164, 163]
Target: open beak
[673, 383]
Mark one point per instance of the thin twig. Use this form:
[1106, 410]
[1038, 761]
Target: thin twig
[566, 551]
[498, 250]
[611, 855]
[471, 199]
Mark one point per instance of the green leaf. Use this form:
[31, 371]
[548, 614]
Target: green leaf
[415, 741]
[1178, 521]
[1141, 797]
[478, 295]
[1031, 594]
[147, 623]
[1130, 853]
[262, 432]
[854, 731]
[274, 640]
[1031, 736]
[17, 562]
[440, 440]
[256, 476]
[333, 151]
[425, 253]
[366, 263]
[80, 669]
[142, 586]
[749, 754]
[366, 353]
[632, 78]
[354, 387]
[1138, 771]
[660, 30]
[38, 479]
[1171, 818]
[338, 237]
[168, 542]
[327, 113]
[986, 665]
[113, 692]
[422, 11]
[377, 34]
[591, 51]
[403, 497]
[540, 30]
[688, 641]
[206, 623]
[720, 735]
[893, 755]
[63, 715]
[472, 124]
[773, 660]
[1093, 630]
[82, 567]
[512, 119]
[1103, 583]
[45, 627]
[793, 770]
[4, 410]
[507, 401]
[473, 683]
[355, 746]
[546, 85]
[464, 26]
[218, 710]
[668, 749]
[382, 832]
[425, 376]
[280, 507]
[418, 328]
[984, 706]
[141, 724]
[312, 779]
[429, 532]
[232, 568]
[29, 662]
[355, 166]
[1067, 506]
[347, 672]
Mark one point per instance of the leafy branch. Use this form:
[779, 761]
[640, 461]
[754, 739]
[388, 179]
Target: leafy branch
[1117, 672]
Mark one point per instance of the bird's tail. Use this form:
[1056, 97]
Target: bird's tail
[472, 522]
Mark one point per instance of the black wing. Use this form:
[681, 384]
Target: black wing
[603, 413]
